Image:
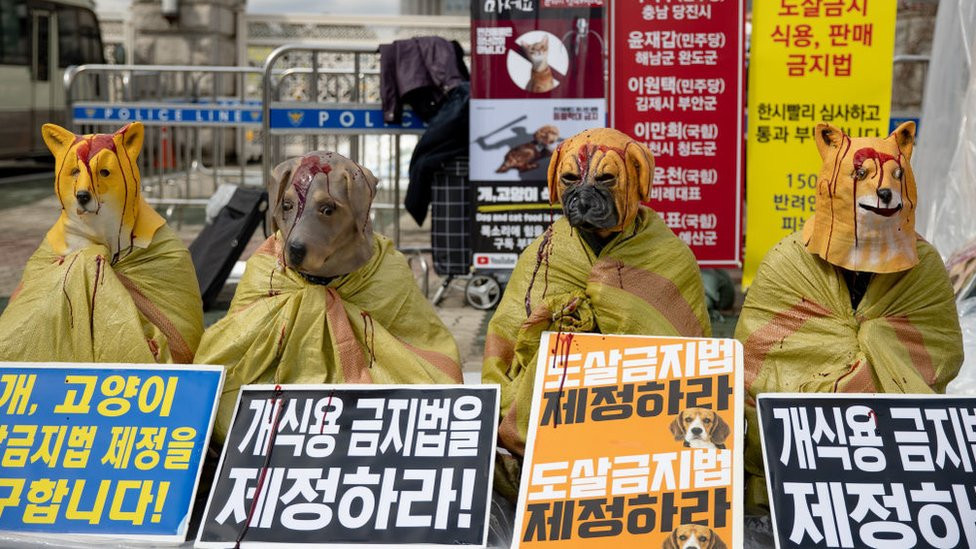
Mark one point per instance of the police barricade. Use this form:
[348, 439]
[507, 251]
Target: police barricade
[351, 465]
[109, 451]
[869, 470]
[328, 97]
[633, 441]
[201, 123]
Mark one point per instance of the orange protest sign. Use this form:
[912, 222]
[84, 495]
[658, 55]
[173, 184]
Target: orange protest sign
[633, 440]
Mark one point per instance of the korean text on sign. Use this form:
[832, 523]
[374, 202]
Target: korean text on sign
[871, 471]
[662, 446]
[318, 465]
[677, 86]
[103, 449]
[810, 62]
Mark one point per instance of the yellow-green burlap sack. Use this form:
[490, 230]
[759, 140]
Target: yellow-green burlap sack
[79, 308]
[801, 335]
[644, 282]
[370, 326]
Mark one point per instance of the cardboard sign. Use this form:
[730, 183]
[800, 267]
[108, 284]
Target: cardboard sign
[106, 449]
[633, 440]
[536, 79]
[347, 465]
[810, 62]
[870, 470]
[677, 86]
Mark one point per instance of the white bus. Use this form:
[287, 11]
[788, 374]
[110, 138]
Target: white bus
[38, 40]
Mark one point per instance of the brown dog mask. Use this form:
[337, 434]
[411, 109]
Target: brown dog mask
[865, 218]
[601, 176]
[321, 205]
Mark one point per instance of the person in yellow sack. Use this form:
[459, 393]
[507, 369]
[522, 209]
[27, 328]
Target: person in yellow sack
[324, 299]
[110, 282]
[857, 302]
[609, 265]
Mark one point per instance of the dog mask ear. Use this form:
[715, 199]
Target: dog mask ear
[363, 202]
[640, 168]
[721, 430]
[132, 137]
[57, 139]
[829, 138]
[554, 197]
[280, 177]
[905, 138]
[677, 429]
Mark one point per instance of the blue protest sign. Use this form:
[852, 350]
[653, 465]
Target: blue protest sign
[107, 449]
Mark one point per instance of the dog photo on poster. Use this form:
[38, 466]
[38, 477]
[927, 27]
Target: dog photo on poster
[533, 86]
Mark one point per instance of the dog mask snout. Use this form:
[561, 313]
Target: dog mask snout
[83, 197]
[589, 206]
[885, 195]
[296, 253]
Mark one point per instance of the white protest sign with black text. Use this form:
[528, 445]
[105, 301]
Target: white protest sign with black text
[347, 465]
[879, 471]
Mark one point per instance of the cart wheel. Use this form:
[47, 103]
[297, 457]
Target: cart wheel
[482, 292]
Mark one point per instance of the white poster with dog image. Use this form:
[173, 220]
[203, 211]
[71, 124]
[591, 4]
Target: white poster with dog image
[634, 441]
[513, 139]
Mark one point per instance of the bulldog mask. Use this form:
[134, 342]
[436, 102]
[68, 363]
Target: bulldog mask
[600, 176]
[322, 203]
[865, 218]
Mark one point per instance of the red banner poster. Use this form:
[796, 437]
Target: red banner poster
[677, 86]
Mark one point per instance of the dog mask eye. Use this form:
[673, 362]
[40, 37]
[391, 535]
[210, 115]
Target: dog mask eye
[860, 173]
[607, 179]
[327, 209]
[897, 173]
[570, 178]
[75, 172]
[103, 172]
[286, 206]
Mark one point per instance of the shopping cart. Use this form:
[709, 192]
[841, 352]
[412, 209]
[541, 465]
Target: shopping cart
[451, 238]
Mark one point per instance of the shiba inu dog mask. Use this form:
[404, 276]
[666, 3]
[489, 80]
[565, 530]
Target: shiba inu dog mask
[97, 182]
[866, 196]
[321, 205]
[600, 176]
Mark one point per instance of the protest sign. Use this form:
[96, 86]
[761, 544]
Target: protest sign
[347, 465]
[677, 86]
[859, 470]
[106, 449]
[537, 71]
[633, 440]
[810, 62]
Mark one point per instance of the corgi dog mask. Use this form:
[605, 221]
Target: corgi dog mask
[866, 198]
[97, 182]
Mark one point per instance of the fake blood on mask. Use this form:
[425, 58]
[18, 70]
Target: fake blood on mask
[302, 180]
[880, 158]
[87, 149]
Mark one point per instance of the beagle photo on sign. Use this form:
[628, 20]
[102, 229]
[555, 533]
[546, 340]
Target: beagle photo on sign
[693, 536]
[700, 428]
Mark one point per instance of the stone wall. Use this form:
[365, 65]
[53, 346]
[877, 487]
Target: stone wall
[913, 36]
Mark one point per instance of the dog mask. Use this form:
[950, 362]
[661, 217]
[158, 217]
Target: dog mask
[693, 536]
[97, 182]
[321, 205]
[865, 218]
[700, 427]
[601, 176]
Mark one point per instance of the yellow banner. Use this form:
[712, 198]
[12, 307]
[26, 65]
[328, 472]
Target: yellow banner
[810, 62]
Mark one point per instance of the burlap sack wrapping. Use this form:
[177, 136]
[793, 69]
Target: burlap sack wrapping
[370, 326]
[645, 281]
[801, 335]
[79, 308]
